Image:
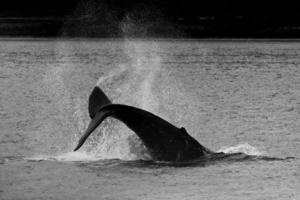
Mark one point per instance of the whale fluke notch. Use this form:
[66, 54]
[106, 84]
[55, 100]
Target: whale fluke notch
[97, 100]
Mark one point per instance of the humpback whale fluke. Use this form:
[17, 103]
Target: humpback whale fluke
[97, 100]
[164, 141]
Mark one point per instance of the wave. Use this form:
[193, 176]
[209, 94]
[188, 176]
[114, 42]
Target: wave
[242, 148]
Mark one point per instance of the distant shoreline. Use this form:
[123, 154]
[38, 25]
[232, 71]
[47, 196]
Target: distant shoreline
[15, 38]
[58, 27]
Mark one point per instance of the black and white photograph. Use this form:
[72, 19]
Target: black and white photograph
[149, 100]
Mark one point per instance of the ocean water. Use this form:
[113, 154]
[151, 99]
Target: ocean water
[232, 96]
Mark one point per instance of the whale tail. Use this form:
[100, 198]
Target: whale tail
[94, 123]
[97, 100]
[164, 141]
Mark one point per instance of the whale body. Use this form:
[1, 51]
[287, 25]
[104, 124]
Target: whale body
[164, 141]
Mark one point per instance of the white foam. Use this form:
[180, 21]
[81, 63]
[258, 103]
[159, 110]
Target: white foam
[242, 148]
[67, 157]
[76, 156]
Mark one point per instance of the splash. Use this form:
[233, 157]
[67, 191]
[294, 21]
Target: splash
[145, 65]
[76, 156]
[133, 82]
[65, 157]
[130, 83]
[242, 148]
